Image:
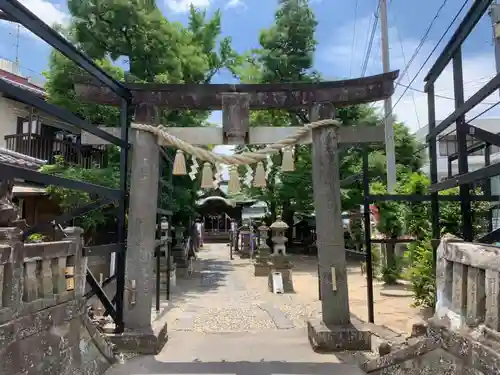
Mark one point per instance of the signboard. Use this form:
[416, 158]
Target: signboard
[277, 283]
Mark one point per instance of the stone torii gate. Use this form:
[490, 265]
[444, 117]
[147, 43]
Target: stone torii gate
[335, 331]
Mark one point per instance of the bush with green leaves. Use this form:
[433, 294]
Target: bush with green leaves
[421, 274]
[417, 222]
[390, 224]
[69, 199]
[36, 237]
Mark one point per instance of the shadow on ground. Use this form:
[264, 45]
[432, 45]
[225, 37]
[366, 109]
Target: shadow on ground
[152, 366]
[210, 274]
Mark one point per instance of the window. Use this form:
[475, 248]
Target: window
[448, 146]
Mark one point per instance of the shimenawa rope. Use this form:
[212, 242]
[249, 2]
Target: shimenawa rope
[244, 158]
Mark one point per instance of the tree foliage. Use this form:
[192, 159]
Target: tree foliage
[135, 32]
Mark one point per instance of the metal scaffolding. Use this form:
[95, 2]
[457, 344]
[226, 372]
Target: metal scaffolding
[14, 11]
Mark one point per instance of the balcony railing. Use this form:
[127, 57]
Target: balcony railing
[46, 148]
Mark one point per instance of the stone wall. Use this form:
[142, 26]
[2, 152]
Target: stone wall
[463, 337]
[44, 328]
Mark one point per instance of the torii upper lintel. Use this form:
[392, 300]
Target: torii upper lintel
[261, 96]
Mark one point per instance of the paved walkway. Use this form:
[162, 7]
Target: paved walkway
[223, 320]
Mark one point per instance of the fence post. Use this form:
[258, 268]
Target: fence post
[75, 234]
[13, 278]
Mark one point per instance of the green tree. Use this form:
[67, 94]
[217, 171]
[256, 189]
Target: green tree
[285, 55]
[156, 50]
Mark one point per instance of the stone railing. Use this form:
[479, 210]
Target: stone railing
[468, 284]
[463, 336]
[36, 276]
[43, 321]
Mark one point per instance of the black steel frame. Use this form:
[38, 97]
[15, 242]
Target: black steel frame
[464, 179]
[368, 199]
[163, 213]
[14, 11]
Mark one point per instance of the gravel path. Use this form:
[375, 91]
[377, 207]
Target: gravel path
[224, 296]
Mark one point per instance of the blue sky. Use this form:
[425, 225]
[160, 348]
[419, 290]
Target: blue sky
[342, 25]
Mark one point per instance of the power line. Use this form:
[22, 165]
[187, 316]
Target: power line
[422, 41]
[370, 44]
[404, 60]
[431, 53]
[353, 36]
[436, 95]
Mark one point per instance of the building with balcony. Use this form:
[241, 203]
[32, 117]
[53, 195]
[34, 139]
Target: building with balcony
[26, 131]
[30, 139]
[447, 146]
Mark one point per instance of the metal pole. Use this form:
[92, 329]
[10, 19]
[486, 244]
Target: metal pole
[122, 211]
[389, 131]
[168, 255]
[487, 187]
[158, 263]
[431, 105]
[368, 239]
[461, 131]
[495, 21]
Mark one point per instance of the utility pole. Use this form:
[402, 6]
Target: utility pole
[494, 182]
[388, 118]
[495, 21]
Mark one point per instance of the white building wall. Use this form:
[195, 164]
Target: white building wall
[9, 112]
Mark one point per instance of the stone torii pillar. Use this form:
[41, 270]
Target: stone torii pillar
[334, 332]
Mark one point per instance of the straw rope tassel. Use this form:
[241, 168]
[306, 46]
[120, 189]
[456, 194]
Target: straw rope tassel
[207, 179]
[287, 163]
[260, 176]
[179, 164]
[233, 185]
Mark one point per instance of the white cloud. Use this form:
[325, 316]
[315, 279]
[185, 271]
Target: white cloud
[236, 4]
[478, 68]
[182, 6]
[48, 12]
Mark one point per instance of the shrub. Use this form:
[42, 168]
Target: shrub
[421, 274]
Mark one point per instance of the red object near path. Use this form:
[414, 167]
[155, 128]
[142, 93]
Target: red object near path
[374, 212]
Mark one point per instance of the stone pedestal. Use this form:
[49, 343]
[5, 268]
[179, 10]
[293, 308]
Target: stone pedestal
[337, 338]
[261, 267]
[281, 264]
[181, 265]
[245, 250]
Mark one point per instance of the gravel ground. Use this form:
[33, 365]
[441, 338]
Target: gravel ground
[224, 296]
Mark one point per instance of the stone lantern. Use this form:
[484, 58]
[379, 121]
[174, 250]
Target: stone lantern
[279, 262]
[279, 239]
[245, 249]
[167, 248]
[179, 251]
[261, 264]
